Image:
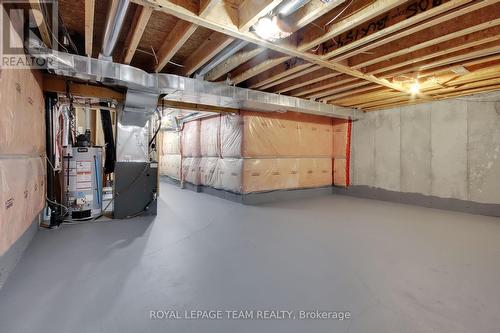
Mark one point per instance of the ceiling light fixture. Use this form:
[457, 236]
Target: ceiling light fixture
[415, 88]
[271, 28]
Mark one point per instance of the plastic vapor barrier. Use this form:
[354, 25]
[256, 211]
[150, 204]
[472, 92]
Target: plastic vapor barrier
[22, 112]
[170, 165]
[208, 176]
[209, 136]
[286, 135]
[231, 134]
[260, 152]
[191, 139]
[229, 173]
[22, 149]
[191, 170]
[171, 143]
[270, 174]
[22, 196]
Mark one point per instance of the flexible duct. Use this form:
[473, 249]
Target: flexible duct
[114, 22]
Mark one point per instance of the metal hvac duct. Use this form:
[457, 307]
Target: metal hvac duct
[114, 22]
[221, 56]
[183, 89]
[286, 8]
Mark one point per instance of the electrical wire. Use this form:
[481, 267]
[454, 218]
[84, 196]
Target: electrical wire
[340, 13]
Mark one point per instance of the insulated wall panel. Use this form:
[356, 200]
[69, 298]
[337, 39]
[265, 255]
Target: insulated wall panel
[209, 136]
[171, 166]
[191, 170]
[286, 135]
[339, 172]
[208, 175]
[22, 196]
[340, 137]
[229, 174]
[22, 120]
[315, 135]
[269, 135]
[231, 133]
[171, 143]
[269, 174]
[191, 139]
[314, 172]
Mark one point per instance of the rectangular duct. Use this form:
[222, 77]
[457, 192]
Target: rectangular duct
[178, 88]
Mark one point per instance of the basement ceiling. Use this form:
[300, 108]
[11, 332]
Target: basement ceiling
[355, 53]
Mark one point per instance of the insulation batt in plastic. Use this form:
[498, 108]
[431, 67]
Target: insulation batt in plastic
[170, 165]
[22, 148]
[171, 143]
[22, 112]
[209, 136]
[191, 139]
[259, 152]
[22, 196]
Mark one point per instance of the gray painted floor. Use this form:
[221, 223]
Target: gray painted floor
[397, 268]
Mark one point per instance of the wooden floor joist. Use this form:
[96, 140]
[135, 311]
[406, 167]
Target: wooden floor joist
[364, 53]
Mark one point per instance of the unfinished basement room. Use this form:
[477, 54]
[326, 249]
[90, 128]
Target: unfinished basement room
[247, 166]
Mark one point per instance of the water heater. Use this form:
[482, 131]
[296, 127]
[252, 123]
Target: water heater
[82, 182]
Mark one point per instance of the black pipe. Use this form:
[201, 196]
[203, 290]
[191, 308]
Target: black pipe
[50, 101]
[56, 216]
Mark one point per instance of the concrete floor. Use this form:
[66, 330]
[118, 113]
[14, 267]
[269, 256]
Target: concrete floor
[396, 268]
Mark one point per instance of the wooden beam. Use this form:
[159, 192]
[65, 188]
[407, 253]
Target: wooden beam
[250, 11]
[282, 75]
[185, 14]
[89, 26]
[215, 43]
[344, 25]
[318, 75]
[304, 16]
[310, 90]
[232, 62]
[57, 84]
[330, 94]
[174, 41]
[311, 12]
[206, 6]
[441, 46]
[408, 27]
[338, 96]
[180, 34]
[261, 67]
[141, 18]
[398, 30]
[41, 22]
[447, 59]
[196, 107]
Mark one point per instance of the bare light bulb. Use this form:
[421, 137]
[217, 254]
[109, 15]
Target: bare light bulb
[265, 28]
[415, 88]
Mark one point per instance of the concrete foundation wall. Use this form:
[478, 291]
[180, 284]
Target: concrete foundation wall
[443, 149]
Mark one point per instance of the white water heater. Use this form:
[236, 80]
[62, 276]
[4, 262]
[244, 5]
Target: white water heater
[82, 182]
